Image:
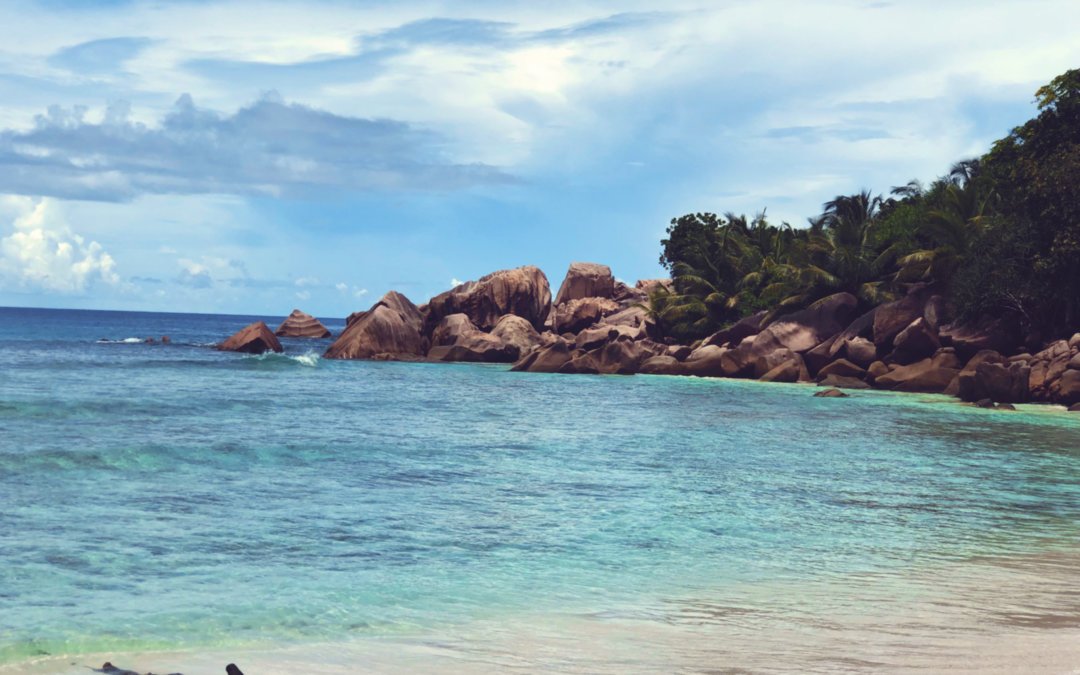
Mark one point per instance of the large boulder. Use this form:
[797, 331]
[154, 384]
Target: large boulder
[707, 361]
[662, 365]
[523, 291]
[450, 329]
[738, 331]
[623, 357]
[546, 359]
[301, 325]
[803, 330]
[477, 347]
[917, 341]
[576, 315]
[514, 330]
[1068, 389]
[790, 369]
[581, 363]
[254, 338]
[860, 351]
[633, 317]
[455, 338]
[586, 280]
[766, 362]
[843, 368]
[1001, 334]
[893, 317]
[932, 375]
[1000, 382]
[843, 382]
[389, 330]
[647, 286]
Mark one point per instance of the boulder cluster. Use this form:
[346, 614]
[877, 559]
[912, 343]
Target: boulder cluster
[598, 325]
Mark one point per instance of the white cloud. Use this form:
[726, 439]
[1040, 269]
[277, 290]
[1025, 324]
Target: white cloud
[303, 295]
[360, 292]
[307, 281]
[42, 252]
[342, 287]
[454, 281]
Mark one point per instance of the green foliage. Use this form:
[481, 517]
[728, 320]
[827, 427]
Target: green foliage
[999, 233]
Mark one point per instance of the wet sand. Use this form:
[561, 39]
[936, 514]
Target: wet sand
[1019, 614]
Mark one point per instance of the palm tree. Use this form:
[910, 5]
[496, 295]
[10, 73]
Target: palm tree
[950, 229]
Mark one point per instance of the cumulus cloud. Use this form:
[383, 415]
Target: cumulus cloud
[267, 148]
[42, 252]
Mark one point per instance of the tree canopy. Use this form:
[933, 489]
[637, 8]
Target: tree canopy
[995, 234]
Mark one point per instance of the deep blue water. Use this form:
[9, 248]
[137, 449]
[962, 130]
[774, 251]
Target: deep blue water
[157, 497]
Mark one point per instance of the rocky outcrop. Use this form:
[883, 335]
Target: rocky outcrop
[523, 291]
[842, 368]
[662, 365]
[893, 317]
[917, 341]
[990, 375]
[546, 359]
[998, 334]
[931, 375]
[802, 331]
[301, 325]
[389, 330]
[843, 382]
[455, 338]
[1068, 389]
[586, 280]
[254, 338]
[576, 315]
[738, 331]
[707, 361]
[513, 330]
[789, 368]
[634, 317]
[647, 286]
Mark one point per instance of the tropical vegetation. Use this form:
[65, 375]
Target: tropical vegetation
[997, 235]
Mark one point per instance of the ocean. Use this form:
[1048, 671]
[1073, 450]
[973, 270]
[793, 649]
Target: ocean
[177, 508]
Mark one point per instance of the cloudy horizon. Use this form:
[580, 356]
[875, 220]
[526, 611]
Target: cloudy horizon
[241, 157]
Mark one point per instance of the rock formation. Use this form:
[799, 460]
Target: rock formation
[586, 280]
[523, 291]
[455, 338]
[389, 330]
[301, 325]
[255, 338]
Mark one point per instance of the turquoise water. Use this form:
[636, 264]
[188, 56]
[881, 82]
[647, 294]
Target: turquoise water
[175, 498]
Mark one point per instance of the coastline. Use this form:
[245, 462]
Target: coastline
[931, 625]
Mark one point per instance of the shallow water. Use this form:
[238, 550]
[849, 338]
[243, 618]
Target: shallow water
[173, 499]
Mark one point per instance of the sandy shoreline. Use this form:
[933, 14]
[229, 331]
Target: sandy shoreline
[993, 615]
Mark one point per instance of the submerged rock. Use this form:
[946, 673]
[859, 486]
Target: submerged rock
[300, 324]
[830, 393]
[254, 338]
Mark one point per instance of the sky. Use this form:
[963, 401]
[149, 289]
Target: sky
[252, 157]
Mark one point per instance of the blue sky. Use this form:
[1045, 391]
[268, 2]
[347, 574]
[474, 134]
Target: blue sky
[259, 156]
